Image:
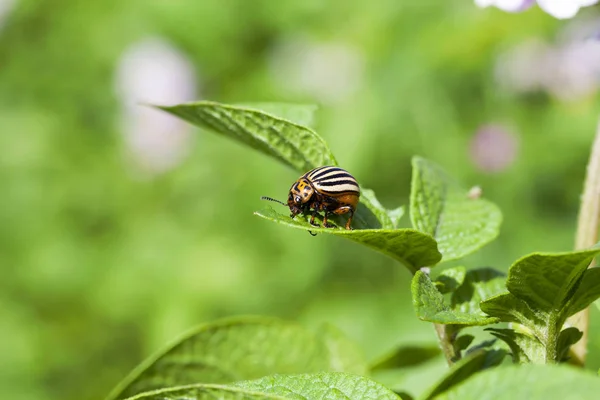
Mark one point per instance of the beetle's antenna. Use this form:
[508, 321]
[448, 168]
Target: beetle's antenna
[270, 199]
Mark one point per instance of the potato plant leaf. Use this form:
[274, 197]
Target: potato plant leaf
[327, 385]
[443, 209]
[531, 382]
[430, 306]
[412, 248]
[231, 350]
[205, 392]
[344, 354]
[450, 279]
[465, 369]
[406, 356]
[524, 348]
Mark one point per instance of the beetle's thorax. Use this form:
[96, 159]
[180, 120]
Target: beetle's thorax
[300, 192]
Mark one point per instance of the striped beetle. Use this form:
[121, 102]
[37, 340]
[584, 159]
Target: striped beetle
[330, 189]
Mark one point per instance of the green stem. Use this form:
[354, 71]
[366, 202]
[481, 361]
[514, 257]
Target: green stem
[587, 236]
[447, 342]
[552, 342]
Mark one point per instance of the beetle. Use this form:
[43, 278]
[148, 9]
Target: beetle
[330, 189]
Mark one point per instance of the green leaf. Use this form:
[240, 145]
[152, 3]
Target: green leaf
[508, 308]
[531, 382]
[440, 207]
[406, 356]
[205, 392]
[464, 369]
[462, 343]
[450, 279]
[292, 144]
[328, 385]
[524, 348]
[344, 354]
[430, 306]
[478, 284]
[388, 219]
[227, 351]
[567, 338]
[547, 281]
[587, 292]
[412, 248]
[301, 114]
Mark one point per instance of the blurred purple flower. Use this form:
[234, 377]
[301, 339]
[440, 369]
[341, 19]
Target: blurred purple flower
[569, 70]
[153, 71]
[493, 148]
[560, 9]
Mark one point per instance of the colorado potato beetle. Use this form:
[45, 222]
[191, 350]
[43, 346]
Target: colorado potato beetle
[329, 189]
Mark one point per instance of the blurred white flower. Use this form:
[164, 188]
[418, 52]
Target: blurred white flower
[560, 9]
[506, 5]
[569, 70]
[493, 148]
[153, 71]
[328, 71]
[563, 9]
[6, 6]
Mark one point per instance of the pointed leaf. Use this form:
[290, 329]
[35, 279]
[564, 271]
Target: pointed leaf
[429, 305]
[412, 248]
[383, 215]
[587, 292]
[292, 144]
[329, 385]
[450, 279]
[464, 369]
[227, 351]
[406, 356]
[524, 348]
[301, 114]
[531, 382]
[205, 392]
[344, 354]
[566, 339]
[460, 223]
[462, 343]
[546, 281]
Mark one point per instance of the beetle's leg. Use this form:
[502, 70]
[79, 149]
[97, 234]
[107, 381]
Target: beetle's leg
[344, 210]
[325, 223]
[312, 218]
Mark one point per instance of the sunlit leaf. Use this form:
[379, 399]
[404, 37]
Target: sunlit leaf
[531, 382]
[344, 354]
[440, 207]
[301, 114]
[227, 351]
[524, 348]
[478, 284]
[205, 392]
[412, 248]
[329, 385]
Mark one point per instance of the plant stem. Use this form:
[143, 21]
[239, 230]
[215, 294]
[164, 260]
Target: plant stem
[551, 342]
[587, 236]
[445, 338]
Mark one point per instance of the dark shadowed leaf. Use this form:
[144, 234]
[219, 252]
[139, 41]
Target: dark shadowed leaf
[406, 356]
[587, 292]
[450, 279]
[524, 348]
[567, 338]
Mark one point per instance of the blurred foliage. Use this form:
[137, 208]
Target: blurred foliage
[101, 266]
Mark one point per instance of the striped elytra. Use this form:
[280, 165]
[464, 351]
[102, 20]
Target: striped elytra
[329, 189]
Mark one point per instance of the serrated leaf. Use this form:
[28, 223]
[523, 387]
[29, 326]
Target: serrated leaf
[587, 292]
[205, 392]
[478, 284]
[464, 369]
[293, 144]
[406, 356]
[227, 351]
[547, 281]
[524, 348]
[329, 385]
[412, 248]
[440, 207]
[450, 279]
[429, 305]
[301, 114]
[344, 354]
[567, 338]
[531, 382]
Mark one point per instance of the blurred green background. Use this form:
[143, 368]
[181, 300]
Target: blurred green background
[120, 227]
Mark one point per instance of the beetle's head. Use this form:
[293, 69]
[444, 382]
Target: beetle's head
[300, 194]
